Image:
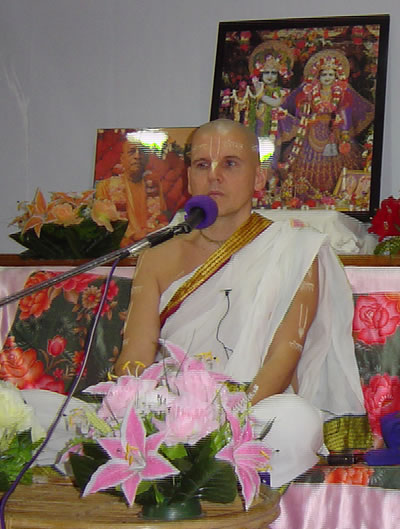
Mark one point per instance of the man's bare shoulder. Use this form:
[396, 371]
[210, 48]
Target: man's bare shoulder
[169, 261]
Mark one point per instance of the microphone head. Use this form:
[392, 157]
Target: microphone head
[207, 205]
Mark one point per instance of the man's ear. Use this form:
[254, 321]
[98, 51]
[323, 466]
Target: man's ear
[261, 178]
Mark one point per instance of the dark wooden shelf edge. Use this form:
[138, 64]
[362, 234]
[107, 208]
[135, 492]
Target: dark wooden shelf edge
[347, 260]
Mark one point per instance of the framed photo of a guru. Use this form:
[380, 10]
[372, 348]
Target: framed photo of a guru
[313, 90]
[144, 173]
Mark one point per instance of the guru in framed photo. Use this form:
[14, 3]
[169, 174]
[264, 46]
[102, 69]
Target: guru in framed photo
[144, 173]
[313, 90]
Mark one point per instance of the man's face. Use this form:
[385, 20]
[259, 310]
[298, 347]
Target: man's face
[133, 160]
[225, 167]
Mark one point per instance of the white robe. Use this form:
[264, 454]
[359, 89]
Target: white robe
[261, 280]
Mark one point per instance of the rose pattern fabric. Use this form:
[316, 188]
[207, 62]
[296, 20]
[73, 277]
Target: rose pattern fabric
[381, 396]
[46, 344]
[376, 330]
[38, 302]
[375, 318]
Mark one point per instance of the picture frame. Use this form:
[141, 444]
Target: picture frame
[144, 173]
[313, 90]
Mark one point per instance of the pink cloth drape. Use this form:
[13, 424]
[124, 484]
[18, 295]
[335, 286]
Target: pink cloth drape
[338, 506]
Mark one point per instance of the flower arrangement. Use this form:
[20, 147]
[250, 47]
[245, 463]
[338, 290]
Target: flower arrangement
[386, 224]
[174, 435]
[20, 433]
[70, 226]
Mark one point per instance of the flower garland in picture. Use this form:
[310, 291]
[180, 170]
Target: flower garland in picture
[316, 104]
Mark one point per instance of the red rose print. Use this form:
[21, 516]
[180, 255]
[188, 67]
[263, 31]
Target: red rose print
[21, 368]
[49, 383]
[381, 396]
[375, 318]
[38, 302]
[78, 283]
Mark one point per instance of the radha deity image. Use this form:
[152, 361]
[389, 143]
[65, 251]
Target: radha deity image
[331, 115]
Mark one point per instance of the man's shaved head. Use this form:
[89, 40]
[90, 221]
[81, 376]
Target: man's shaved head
[226, 128]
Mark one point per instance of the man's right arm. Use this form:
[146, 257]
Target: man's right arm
[142, 326]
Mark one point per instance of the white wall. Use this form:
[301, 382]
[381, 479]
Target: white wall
[68, 67]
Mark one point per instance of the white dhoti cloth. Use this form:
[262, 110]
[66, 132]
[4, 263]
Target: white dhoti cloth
[235, 315]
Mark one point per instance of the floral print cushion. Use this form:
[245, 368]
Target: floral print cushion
[376, 330]
[45, 346]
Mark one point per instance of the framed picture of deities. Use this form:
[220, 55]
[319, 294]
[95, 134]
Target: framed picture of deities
[144, 173]
[313, 90]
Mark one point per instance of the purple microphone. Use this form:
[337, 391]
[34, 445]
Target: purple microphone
[201, 212]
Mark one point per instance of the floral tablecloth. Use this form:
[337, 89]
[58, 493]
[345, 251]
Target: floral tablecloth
[44, 343]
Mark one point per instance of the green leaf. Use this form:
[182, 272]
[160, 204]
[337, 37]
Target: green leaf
[83, 467]
[14, 459]
[212, 480]
[173, 452]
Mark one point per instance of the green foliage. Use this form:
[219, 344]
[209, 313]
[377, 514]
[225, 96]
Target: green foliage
[390, 246]
[79, 241]
[14, 458]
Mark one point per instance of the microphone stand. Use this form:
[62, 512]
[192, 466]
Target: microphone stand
[151, 240]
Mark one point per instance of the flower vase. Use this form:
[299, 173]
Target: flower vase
[170, 512]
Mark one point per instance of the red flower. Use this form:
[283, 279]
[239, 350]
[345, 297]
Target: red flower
[58, 373]
[311, 203]
[375, 317]
[387, 219]
[112, 290]
[277, 204]
[381, 396]
[49, 383]
[21, 368]
[354, 475]
[38, 302]
[77, 283]
[78, 359]
[56, 345]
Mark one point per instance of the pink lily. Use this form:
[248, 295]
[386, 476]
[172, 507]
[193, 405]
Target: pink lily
[191, 364]
[248, 457]
[133, 458]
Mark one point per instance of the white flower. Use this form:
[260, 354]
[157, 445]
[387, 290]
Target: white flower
[15, 416]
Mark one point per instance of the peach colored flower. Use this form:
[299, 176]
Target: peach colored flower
[36, 213]
[75, 199]
[381, 396]
[56, 345]
[21, 368]
[64, 214]
[104, 212]
[354, 475]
